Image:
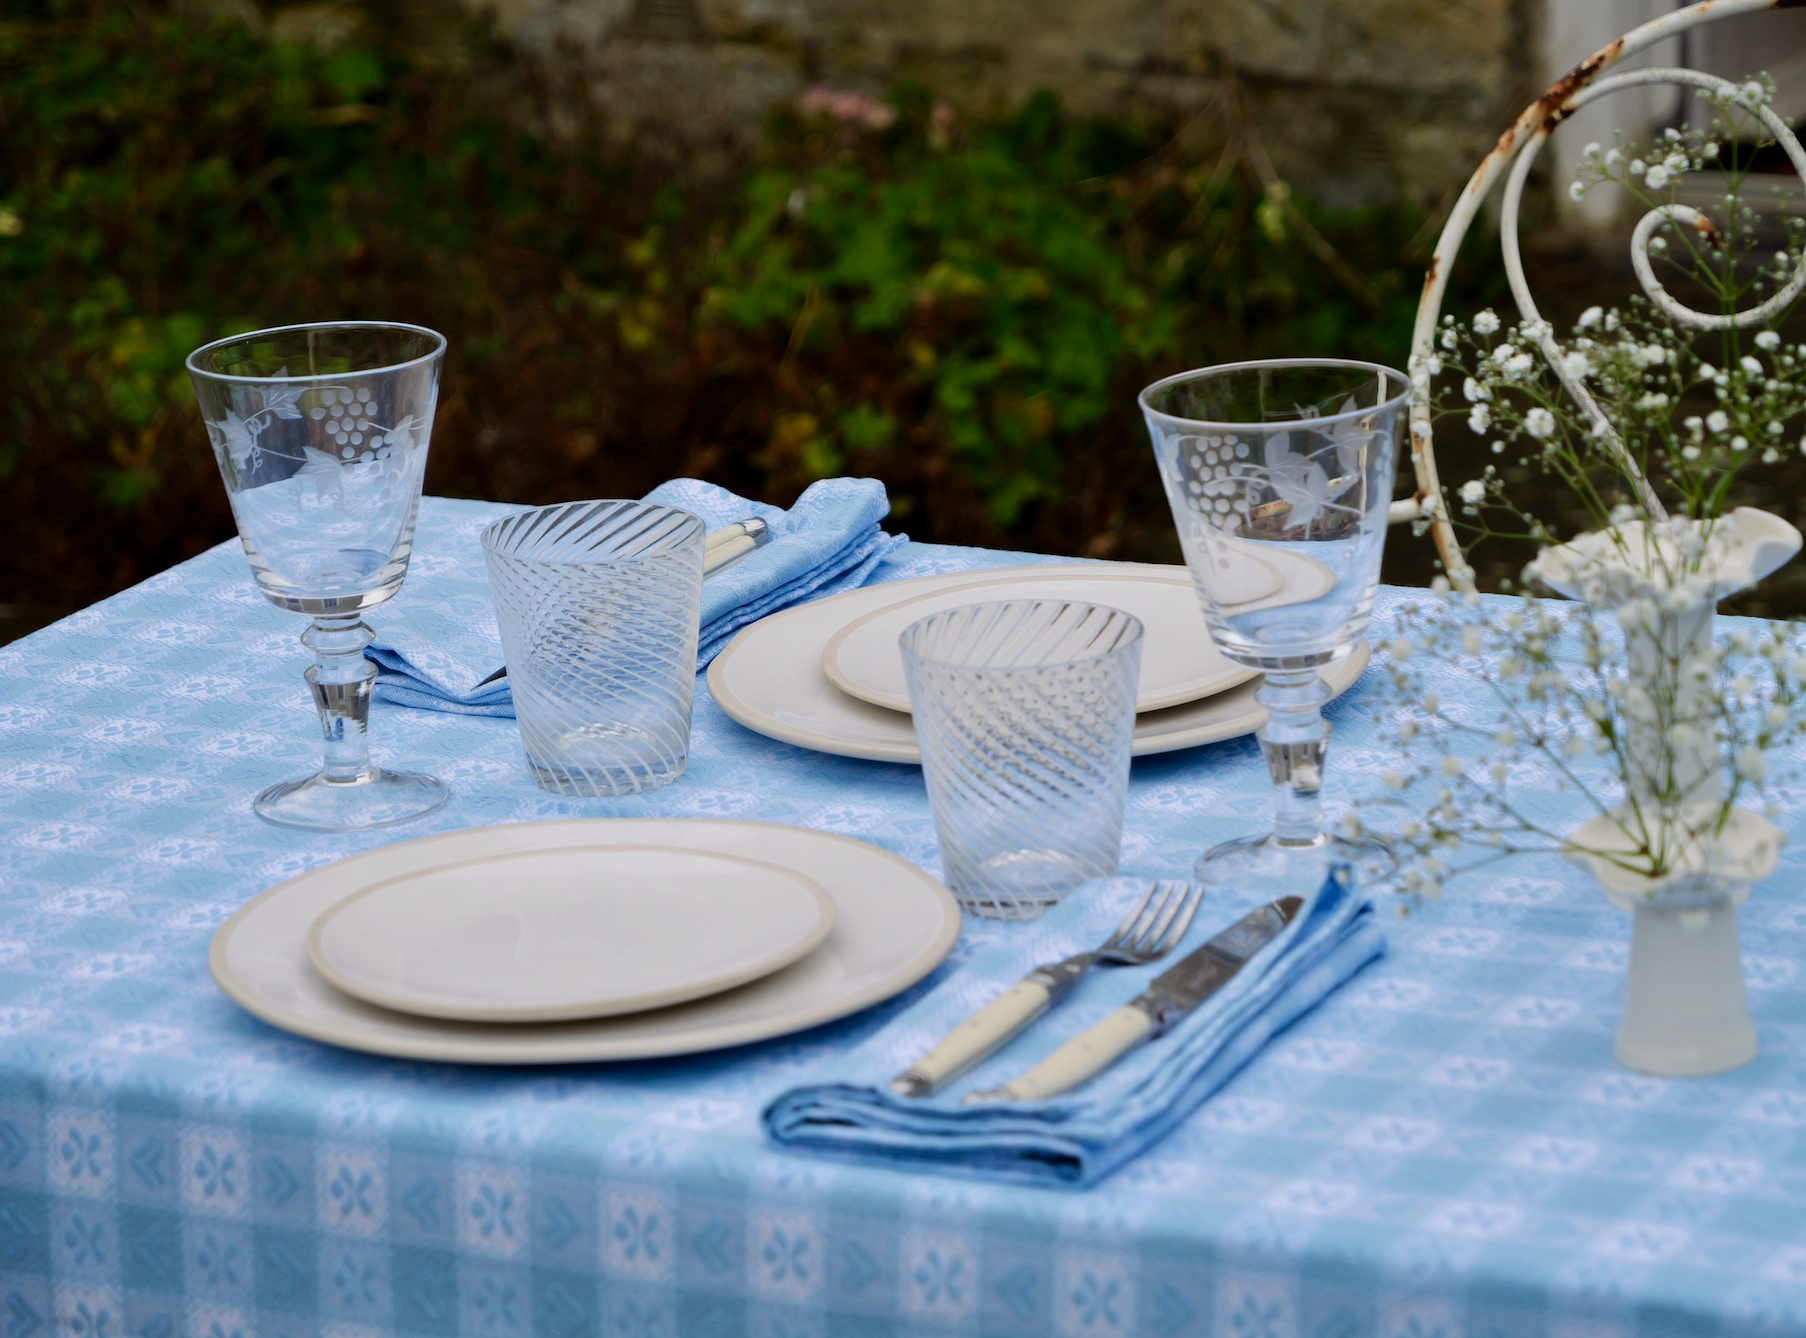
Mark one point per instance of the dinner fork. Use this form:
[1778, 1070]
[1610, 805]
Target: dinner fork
[1147, 934]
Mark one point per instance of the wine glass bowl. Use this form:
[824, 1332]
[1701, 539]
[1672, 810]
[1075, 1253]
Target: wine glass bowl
[1291, 463]
[321, 435]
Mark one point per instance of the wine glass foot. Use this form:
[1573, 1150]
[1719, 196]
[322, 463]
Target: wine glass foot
[377, 799]
[1261, 864]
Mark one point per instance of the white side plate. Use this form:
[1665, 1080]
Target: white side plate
[770, 679]
[893, 926]
[1179, 661]
[550, 935]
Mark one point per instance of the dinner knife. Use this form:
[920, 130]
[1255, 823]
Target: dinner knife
[720, 548]
[1174, 993]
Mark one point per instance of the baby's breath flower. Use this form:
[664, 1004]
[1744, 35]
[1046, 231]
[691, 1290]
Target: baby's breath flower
[1740, 443]
[1539, 423]
[1750, 365]
[1575, 364]
[1479, 419]
[1657, 178]
[1636, 167]
[1589, 318]
[1473, 492]
[1752, 764]
[1718, 420]
[1708, 150]
[1577, 190]
[1768, 339]
[1473, 391]
[1487, 322]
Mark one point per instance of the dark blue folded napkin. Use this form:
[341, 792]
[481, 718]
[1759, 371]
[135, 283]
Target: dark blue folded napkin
[438, 646]
[1081, 1136]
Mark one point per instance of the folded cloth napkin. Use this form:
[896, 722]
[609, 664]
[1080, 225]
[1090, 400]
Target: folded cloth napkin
[1082, 1135]
[439, 645]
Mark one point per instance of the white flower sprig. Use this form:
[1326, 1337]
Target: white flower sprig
[1633, 414]
[1556, 710]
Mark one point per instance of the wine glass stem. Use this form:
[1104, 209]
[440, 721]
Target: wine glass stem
[341, 679]
[1295, 740]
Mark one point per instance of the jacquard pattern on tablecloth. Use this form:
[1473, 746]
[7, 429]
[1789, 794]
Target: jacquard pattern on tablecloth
[1444, 1148]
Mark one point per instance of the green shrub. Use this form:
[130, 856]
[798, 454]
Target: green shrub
[964, 310]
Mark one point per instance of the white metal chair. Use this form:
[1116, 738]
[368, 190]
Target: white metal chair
[1516, 154]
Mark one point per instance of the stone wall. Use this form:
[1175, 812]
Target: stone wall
[1356, 100]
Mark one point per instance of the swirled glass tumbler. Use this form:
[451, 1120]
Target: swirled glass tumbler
[1024, 711]
[598, 605]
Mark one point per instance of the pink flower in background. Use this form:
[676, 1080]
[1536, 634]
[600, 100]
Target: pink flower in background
[849, 106]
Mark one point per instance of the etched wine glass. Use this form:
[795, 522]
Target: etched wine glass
[1288, 464]
[321, 435]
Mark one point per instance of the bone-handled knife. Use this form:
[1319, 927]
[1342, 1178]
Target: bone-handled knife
[1174, 993]
[730, 543]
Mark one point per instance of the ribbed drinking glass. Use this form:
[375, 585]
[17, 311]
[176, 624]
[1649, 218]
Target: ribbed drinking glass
[1025, 711]
[599, 605]
[321, 435]
[1289, 464]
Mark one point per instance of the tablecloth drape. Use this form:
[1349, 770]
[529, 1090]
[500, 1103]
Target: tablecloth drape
[1444, 1149]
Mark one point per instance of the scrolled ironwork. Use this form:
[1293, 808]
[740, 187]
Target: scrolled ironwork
[1517, 150]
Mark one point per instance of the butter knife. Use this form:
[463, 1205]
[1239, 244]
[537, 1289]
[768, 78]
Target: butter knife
[1174, 993]
[730, 543]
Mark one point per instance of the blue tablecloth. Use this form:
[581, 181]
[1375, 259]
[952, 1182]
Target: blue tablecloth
[1443, 1149]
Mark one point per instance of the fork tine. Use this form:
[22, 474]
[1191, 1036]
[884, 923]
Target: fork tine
[1117, 939]
[1194, 898]
[1163, 914]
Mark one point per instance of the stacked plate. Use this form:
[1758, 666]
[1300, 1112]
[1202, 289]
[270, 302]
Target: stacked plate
[586, 940]
[829, 676]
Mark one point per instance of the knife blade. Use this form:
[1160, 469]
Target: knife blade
[1173, 994]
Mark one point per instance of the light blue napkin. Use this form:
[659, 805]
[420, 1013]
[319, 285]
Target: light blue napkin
[1081, 1136]
[438, 642]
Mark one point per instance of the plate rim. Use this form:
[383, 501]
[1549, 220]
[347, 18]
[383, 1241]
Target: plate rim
[1346, 672]
[447, 1050]
[644, 1002]
[1233, 678]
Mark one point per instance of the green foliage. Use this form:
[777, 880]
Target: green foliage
[964, 310]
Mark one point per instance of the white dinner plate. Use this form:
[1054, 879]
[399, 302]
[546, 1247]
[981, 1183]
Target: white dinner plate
[770, 679]
[893, 925]
[578, 931]
[1179, 661]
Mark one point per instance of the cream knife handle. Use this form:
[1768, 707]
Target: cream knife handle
[973, 1039]
[1079, 1060]
[714, 559]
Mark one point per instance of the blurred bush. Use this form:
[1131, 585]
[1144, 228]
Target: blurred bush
[964, 310]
